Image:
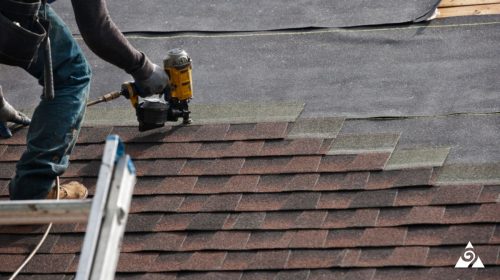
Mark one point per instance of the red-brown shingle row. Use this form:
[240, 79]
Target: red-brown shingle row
[409, 273]
[276, 259]
[220, 184]
[221, 149]
[234, 202]
[193, 133]
[243, 202]
[479, 234]
[232, 166]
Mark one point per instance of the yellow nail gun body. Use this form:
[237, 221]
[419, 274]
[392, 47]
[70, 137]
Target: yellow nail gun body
[153, 113]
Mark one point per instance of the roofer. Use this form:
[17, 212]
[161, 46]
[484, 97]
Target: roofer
[56, 123]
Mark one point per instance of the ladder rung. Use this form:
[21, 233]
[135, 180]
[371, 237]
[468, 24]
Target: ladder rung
[26, 212]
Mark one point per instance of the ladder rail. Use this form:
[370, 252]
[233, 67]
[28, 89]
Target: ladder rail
[30, 212]
[106, 214]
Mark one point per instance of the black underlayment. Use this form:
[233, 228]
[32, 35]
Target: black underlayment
[443, 67]
[438, 68]
[254, 15]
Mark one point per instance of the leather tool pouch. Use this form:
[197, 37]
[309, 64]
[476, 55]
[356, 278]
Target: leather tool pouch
[21, 32]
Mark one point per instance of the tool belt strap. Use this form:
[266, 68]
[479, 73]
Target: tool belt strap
[21, 8]
[21, 32]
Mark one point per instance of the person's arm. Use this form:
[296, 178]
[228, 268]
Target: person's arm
[106, 40]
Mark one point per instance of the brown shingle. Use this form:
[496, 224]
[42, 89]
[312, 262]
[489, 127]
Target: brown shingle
[274, 165]
[410, 215]
[263, 202]
[256, 131]
[238, 260]
[281, 220]
[163, 167]
[342, 274]
[270, 239]
[349, 163]
[243, 183]
[142, 222]
[291, 147]
[399, 178]
[246, 221]
[442, 195]
[161, 150]
[210, 184]
[309, 239]
[44, 263]
[169, 261]
[24, 244]
[399, 256]
[204, 261]
[193, 203]
[211, 132]
[311, 219]
[342, 181]
[472, 213]
[67, 243]
[168, 185]
[226, 166]
[158, 203]
[208, 221]
[383, 237]
[274, 183]
[229, 149]
[11, 153]
[338, 238]
[222, 202]
[302, 182]
[315, 258]
[351, 218]
[161, 241]
[273, 259]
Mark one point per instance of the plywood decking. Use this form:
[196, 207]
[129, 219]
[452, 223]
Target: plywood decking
[454, 8]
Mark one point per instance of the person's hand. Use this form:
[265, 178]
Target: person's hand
[154, 84]
[9, 114]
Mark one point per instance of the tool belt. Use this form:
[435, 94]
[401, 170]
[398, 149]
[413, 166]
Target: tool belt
[21, 31]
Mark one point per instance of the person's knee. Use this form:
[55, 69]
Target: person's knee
[72, 77]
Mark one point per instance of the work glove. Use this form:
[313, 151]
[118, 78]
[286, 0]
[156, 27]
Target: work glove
[9, 114]
[154, 84]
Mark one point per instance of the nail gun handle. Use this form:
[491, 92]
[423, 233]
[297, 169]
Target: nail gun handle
[129, 90]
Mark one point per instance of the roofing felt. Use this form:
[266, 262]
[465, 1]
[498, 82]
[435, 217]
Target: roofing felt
[245, 201]
[432, 69]
[426, 71]
[252, 15]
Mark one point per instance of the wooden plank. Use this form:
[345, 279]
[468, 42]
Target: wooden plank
[457, 3]
[491, 9]
[26, 212]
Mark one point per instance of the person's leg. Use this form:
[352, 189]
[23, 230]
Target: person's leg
[55, 123]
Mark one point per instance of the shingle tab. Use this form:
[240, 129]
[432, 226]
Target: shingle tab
[256, 131]
[417, 158]
[364, 143]
[349, 163]
[487, 174]
[399, 178]
[316, 128]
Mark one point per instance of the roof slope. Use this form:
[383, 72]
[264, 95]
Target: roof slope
[276, 201]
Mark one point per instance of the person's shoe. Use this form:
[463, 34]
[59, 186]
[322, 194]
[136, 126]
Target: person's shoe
[71, 190]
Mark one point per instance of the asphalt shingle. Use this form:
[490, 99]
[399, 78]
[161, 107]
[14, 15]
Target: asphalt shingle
[269, 201]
